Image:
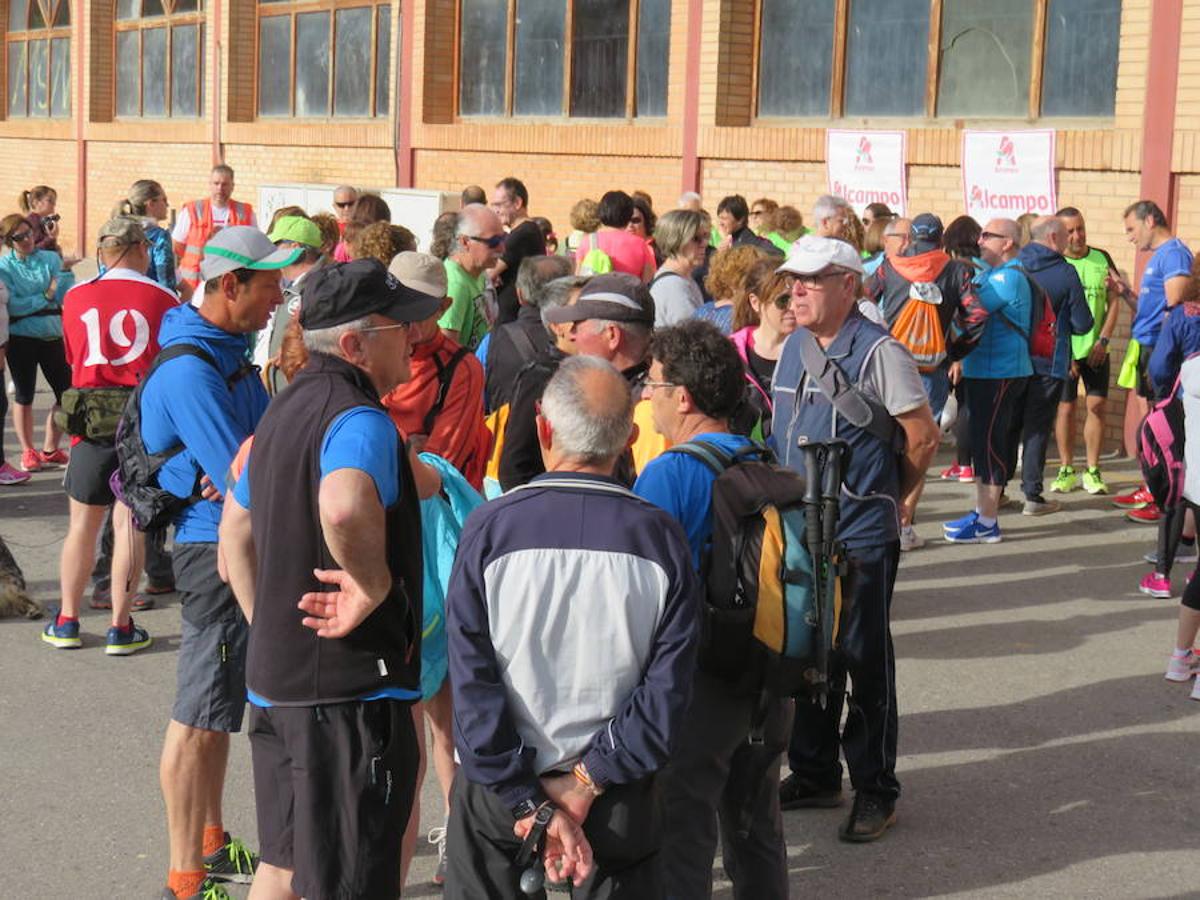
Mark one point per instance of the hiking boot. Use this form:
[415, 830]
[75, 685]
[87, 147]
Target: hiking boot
[1066, 481]
[31, 461]
[966, 475]
[1093, 483]
[10, 475]
[1185, 554]
[870, 817]
[1156, 585]
[1135, 499]
[1147, 515]
[437, 837]
[1040, 506]
[126, 643]
[64, 636]
[232, 862]
[209, 890]
[800, 793]
[951, 473]
[1181, 668]
[910, 540]
[53, 457]
[975, 532]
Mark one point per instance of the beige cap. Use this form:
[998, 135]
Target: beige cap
[121, 231]
[421, 272]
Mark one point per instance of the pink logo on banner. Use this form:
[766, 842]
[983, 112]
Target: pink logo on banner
[862, 159]
[1006, 155]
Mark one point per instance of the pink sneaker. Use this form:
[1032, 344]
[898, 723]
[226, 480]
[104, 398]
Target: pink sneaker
[10, 475]
[952, 473]
[1181, 668]
[1156, 586]
[966, 474]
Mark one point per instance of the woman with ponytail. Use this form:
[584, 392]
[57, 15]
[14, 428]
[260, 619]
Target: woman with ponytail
[37, 204]
[148, 201]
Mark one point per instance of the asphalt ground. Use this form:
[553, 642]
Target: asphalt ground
[1042, 754]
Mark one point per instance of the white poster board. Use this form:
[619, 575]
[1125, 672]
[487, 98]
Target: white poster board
[1008, 173]
[867, 167]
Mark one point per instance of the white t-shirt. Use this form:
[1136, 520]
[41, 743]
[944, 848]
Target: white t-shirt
[183, 222]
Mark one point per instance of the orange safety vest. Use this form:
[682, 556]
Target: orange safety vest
[200, 229]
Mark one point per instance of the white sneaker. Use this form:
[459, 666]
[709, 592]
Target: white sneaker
[1181, 668]
[1195, 695]
[910, 540]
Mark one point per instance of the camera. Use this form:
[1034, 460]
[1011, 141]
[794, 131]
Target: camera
[52, 219]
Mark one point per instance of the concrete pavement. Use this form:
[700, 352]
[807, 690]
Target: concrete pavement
[1042, 753]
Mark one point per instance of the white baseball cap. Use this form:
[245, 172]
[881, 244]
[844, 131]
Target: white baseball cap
[812, 254]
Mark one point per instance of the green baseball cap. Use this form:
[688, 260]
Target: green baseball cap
[298, 230]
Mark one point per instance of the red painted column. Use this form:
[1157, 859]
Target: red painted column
[690, 180]
[404, 102]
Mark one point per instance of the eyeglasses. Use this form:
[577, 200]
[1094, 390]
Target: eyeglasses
[344, 204]
[658, 384]
[493, 242]
[403, 325]
[815, 282]
[893, 234]
[991, 236]
[17, 238]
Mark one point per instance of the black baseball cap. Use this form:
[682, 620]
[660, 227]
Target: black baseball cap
[614, 296]
[926, 227]
[335, 294]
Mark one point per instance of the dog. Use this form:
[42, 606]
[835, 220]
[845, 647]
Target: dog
[14, 599]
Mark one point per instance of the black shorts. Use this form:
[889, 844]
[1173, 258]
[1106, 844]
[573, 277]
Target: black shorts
[996, 407]
[1145, 387]
[88, 471]
[1095, 380]
[334, 787]
[210, 691]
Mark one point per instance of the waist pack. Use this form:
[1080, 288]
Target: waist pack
[1160, 443]
[92, 413]
[771, 608]
[919, 327]
[135, 481]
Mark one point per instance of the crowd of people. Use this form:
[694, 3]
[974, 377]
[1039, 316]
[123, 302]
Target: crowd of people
[468, 489]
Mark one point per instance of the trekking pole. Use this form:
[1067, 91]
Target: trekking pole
[814, 532]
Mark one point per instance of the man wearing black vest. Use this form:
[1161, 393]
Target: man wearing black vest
[334, 659]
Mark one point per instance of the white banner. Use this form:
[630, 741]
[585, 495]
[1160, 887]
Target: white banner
[867, 167]
[1008, 173]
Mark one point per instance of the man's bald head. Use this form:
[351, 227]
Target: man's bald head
[589, 408]
[478, 219]
[1049, 231]
[1000, 241]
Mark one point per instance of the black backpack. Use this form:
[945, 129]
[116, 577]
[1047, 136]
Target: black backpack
[135, 482]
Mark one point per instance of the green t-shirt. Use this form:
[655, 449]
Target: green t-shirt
[465, 315]
[1093, 271]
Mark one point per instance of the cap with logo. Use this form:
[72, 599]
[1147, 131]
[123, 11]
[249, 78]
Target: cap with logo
[243, 247]
[615, 297]
[298, 230]
[420, 271]
[926, 227]
[812, 254]
[121, 231]
[340, 293]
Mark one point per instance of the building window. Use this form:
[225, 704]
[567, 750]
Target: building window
[324, 58]
[1011, 59]
[39, 58]
[583, 58]
[160, 58]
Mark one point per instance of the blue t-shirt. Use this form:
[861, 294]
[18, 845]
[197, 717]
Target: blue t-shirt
[1003, 350]
[721, 316]
[1169, 261]
[682, 486]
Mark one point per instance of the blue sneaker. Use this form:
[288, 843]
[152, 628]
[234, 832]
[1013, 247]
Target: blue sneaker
[960, 523]
[64, 637]
[126, 643]
[974, 532]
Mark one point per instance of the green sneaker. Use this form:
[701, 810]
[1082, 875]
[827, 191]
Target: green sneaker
[1066, 481]
[1093, 483]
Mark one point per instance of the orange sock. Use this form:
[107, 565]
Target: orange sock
[214, 838]
[185, 884]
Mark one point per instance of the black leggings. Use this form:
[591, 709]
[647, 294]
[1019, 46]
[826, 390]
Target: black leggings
[26, 355]
[962, 427]
[3, 410]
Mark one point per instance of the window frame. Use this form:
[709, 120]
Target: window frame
[169, 20]
[296, 8]
[28, 36]
[510, 70]
[837, 81]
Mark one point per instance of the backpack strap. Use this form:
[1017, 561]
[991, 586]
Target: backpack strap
[718, 459]
[847, 398]
[666, 273]
[445, 374]
[521, 341]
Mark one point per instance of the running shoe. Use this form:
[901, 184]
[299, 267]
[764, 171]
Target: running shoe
[232, 862]
[1136, 499]
[10, 475]
[1066, 481]
[209, 890]
[910, 540]
[437, 837]
[1181, 668]
[1185, 554]
[961, 522]
[966, 475]
[952, 473]
[127, 643]
[796, 792]
[53, 457]
[1093, 483]
[1147, 515]
[1040, 506]
[1195, 695]
[1155, 585]
[64, 636]
[31, 461]
[975, 532]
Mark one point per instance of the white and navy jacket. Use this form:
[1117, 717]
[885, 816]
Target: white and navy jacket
[572, 617]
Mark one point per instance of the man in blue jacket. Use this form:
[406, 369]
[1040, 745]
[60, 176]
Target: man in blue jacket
[1043, 260]
[209, 407]
[572, 619]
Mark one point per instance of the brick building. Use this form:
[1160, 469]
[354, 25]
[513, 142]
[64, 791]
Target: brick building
[576, 96]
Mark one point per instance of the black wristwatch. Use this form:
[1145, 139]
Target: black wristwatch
[1104, 342]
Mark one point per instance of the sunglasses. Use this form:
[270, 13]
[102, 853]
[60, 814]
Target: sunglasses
[344, 204]
[991, 235]
[782, 302]
[17, 238]
[495, 241]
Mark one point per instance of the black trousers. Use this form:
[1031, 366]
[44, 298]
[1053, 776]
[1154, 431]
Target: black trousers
[716, 783]
[1041, 407]
[865, 653]
[624, 827]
